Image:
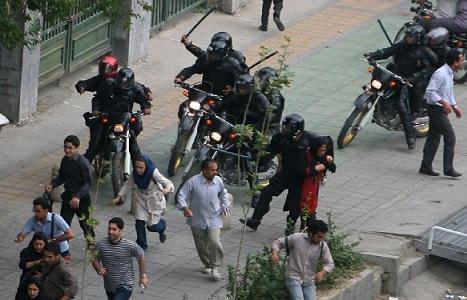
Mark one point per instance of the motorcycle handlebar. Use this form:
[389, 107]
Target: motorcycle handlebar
[138, 113]
[397, 77]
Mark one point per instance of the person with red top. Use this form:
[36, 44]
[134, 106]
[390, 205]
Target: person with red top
[319, 159]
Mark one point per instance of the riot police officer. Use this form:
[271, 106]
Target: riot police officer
[118, 95]
[414, 61]
[437, 40]
[263, 80]
[218, 69]
[246, 103]
[291, 144]
[220, 36]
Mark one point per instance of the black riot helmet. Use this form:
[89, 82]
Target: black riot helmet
[415, 35]
[244, 84]
[125, 79]
[217, 51]
[293, 125]
[223, 37]
[263, 77]
[438, 37]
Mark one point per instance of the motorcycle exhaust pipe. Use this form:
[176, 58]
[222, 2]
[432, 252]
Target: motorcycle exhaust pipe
[127, 162]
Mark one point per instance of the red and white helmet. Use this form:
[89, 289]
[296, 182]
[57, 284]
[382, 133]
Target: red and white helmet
[108, 67]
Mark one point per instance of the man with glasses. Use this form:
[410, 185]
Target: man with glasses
[76, 175]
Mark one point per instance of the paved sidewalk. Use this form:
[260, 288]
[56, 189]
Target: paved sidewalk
[376, 188]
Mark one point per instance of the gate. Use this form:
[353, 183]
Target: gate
[164, 10]
[70, 44]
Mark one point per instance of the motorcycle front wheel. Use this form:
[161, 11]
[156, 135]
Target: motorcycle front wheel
[177, 155]
[349, 130]
[117, 172]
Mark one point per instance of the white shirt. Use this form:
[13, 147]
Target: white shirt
[441, 87]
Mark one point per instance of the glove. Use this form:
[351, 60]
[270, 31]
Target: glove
[80, 87]
[226, 211]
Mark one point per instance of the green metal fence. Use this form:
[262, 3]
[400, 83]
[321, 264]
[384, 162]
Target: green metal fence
[70, 44]
[164, 10]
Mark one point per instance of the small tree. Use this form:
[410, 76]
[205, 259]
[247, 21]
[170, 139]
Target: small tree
[13, 35]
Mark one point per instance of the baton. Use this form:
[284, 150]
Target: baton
[201, 20]
[385, 32]
[263, 59]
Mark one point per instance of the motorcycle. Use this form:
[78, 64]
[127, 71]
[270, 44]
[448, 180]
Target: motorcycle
[115, 147]
[375, 104]
[190, 121]
[219, 138]
[423, 11]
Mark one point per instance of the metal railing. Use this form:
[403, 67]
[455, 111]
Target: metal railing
[432, 233]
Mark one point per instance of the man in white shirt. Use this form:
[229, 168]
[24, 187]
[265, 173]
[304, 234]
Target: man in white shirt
[440, 99]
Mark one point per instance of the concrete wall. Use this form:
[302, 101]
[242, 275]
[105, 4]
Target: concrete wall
[367, 286]
[131, 45]
[19, 80]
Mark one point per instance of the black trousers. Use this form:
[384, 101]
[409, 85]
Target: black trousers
[406, 119]
[278, 5]
[278, 183]
[439, 126]
[82, 212]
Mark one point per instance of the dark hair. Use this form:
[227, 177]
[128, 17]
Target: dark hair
[140, 158]
[452, 56]
[35, 280]
[73, 139]
[315, 226]
[38, 236]
[53, 247]
[117, 221]
[205, 163]
[42, 202]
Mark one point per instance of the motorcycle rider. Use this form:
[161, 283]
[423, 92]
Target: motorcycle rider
[291, 144]
[218, 69]
[220, 36]
[263, 81]
[437, 40]
[457, 24]
[415, 62]
[117, 95]
[246, 100]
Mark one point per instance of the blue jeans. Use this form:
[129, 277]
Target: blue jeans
[300, 291]
[140, 226]
[121, 294]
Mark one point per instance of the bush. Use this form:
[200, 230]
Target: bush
[261, 280]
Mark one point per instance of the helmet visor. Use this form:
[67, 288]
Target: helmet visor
[123, 83]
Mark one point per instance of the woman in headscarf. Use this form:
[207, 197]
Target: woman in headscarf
[319, 159]
[150, 190]
[30, 261]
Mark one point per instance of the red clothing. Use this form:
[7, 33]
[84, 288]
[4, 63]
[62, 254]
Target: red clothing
[310, 187]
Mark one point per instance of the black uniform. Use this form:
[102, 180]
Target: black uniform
[236, 106]
[235, 54]
[219, 74]
[278, 5]
[108, 95]
[290, 176]
[415, 62]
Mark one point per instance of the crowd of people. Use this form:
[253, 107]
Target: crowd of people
[306, 157]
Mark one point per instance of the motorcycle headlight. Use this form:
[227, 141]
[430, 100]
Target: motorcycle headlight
[216, 136]
[118, 128]
[194, 105]
[376, 84]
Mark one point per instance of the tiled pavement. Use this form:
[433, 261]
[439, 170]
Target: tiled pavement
[373, 173]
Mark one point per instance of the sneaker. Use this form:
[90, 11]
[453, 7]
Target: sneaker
[206, 271]
[279, 23]
[162, 237]
[215, 274]
[263, 28]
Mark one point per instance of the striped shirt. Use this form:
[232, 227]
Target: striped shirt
[117, 259]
